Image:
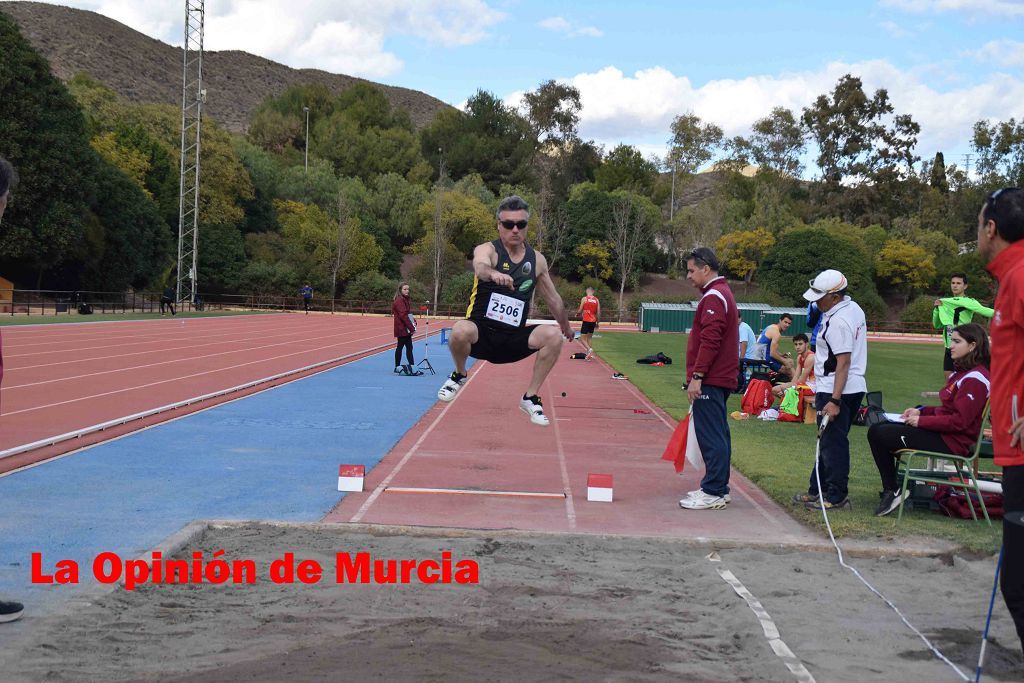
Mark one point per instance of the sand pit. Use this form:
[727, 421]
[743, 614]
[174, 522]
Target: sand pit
[547, 607]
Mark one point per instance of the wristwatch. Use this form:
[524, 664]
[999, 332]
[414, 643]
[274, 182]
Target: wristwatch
[836, 401]
[697, 376]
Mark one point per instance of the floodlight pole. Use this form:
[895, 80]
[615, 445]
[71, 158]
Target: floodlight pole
[192, 97]
[306, 109]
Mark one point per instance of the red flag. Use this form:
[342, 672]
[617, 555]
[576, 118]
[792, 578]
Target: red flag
[683, 446]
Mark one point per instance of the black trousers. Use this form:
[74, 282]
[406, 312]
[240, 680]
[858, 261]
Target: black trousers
[305, 303]
[406, 343]
[1011, 577]
[889, 437]
[169, 303]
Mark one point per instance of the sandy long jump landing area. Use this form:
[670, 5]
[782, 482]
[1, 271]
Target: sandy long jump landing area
[482, 442]
[547, 607]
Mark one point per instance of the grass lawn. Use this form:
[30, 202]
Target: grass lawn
[21, 319]
[778, 457]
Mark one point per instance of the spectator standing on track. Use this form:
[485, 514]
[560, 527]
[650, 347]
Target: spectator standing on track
[1001, 243]
[307, 296]
[590, 307]
[952, 427]
[167, 299]
[840, 362]
[507, 271]
[955, 310]
[712, 377]
[9, 610]
[405, 327]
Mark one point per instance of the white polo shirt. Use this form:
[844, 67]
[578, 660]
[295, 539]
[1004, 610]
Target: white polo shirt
[843, 330]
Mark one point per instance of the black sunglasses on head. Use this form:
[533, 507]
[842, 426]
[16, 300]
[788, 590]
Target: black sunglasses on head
[508, 225]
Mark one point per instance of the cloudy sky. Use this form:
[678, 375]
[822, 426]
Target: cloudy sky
[948, 63]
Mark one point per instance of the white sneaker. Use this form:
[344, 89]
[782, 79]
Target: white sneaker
[532, 407]
[702, 501]
[727, 498]
[451, 387]
[590, 355]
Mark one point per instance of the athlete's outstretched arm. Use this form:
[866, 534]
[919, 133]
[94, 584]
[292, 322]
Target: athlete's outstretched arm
[551, 296]
[484, 260]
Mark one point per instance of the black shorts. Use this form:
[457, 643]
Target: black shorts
[947, 362]
[588, 328]
[498, 346]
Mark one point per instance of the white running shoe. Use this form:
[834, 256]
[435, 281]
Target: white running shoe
[590, 354]
[451, 387]
[702, 501]
[532, 407]
[690, 494]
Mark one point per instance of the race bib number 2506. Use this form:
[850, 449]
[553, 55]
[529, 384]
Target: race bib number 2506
[505, 309]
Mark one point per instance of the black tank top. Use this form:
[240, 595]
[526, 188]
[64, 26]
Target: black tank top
[501, 307]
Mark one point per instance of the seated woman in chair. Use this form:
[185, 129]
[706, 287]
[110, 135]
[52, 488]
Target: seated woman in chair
[951, 428]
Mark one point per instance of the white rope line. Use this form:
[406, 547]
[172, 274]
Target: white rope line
[887, 601]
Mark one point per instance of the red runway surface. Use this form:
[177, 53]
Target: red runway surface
[62, 378]
[482, 445]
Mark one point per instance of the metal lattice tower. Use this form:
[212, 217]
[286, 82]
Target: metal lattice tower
[192, 98]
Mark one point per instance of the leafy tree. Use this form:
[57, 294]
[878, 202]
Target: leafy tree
[633, 221]
[318, 185]
[371, 286]
[467, 222]
[553, 110]
[588, 214]
[777, 143]
[262, 278]
[1000, 148]
[741, 252]
[626, 169]
[937, 174]
[221, 257]
[697, 225]
[692, 143]
[488, 138]
[43, 134]
[904, 266]
[853, 139]
[595, 259]
[802, 253]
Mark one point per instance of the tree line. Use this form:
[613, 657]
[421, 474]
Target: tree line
[98, 203]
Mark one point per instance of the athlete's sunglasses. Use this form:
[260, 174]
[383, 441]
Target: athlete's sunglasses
[508, 225]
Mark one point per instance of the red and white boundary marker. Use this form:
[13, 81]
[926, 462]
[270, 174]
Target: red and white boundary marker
[599, 488]
[350, 477]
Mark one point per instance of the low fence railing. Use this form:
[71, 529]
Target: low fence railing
[14, 302]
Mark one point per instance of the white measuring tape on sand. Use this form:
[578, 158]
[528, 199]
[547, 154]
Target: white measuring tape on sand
[771, 631]
[887, 601]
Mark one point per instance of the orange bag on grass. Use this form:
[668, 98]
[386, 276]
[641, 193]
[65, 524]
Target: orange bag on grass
[758, 397]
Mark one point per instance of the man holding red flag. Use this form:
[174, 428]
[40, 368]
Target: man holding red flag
[712, 377]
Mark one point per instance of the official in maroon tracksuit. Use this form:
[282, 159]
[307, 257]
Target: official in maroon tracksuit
[712, 367]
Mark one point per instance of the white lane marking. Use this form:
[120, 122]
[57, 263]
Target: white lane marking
[570, 509]
[771, 631]
[364, 508]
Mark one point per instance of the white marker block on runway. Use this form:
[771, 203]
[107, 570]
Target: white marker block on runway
[599, 488]
[350, 477]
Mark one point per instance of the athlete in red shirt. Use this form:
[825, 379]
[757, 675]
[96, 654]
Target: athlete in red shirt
[1001, 242]
[590, 307]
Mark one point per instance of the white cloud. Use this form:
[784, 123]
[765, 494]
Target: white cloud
[565, 27]
[639, 108]
[895, 30]
[1010, 8]
[344, 36]
[1008, 53]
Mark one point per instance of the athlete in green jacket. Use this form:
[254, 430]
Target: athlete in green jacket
[956, 310]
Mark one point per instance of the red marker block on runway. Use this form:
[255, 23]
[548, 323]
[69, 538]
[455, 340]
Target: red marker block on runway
[350, 477]
[599, 488]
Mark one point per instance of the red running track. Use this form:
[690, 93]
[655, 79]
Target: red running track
[63, 378]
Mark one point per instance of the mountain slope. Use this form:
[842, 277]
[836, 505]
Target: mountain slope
[142, 69]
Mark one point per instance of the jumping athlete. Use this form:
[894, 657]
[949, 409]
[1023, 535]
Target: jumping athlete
[507, 271]
[590, 307]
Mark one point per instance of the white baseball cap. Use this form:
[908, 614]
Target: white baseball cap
[826, 282]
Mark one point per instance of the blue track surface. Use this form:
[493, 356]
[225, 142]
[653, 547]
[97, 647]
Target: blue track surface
[273, 455]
